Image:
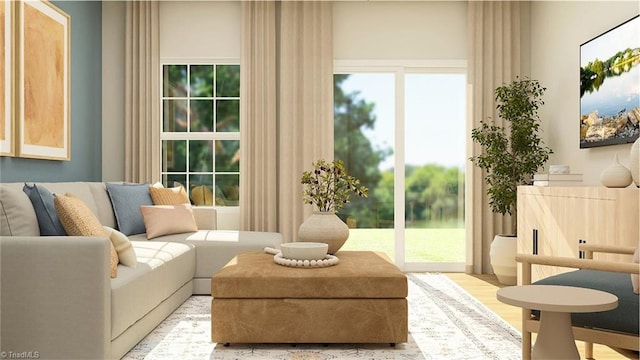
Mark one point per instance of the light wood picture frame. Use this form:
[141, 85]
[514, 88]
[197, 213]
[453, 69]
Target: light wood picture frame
[44, 122]
[7, 122]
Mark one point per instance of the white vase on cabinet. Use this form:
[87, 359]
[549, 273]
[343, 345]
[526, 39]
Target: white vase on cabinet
[616, 175]
[634, 164]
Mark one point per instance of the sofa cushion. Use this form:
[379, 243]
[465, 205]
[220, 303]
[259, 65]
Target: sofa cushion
[17, 216]
[214, 248]
[104, 210]
[169, 196]
[126, 200]
[42, 201]
[126, 254]
[78, 220]
[624, 318]
[163, 267]
[162, 220]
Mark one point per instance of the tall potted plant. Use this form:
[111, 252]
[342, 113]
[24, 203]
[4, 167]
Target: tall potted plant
[328, 188]
[511, 154]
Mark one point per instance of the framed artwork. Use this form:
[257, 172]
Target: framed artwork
[7, 126]
[609, 92]
[43, 85]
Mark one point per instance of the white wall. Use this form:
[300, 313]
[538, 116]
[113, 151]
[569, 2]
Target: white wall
[200, 29]
[557, 30]
[423, 30]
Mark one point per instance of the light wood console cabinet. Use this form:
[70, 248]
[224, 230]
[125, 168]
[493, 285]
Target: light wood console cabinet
[554, 220]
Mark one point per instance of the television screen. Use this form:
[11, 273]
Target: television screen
[610, 86]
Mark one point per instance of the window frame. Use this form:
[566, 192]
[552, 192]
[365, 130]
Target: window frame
[190, 136]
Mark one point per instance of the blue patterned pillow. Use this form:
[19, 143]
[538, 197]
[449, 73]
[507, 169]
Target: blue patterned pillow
[126, 200]
[42, 201]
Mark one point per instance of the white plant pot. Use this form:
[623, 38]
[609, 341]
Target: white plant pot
[324, 227]
[503, 258]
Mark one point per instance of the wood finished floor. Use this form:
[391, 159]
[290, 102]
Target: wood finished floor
[483, 287]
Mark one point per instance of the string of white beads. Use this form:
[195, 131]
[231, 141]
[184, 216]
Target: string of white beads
[329, 260]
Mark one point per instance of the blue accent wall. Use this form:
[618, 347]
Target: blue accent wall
[86, 106]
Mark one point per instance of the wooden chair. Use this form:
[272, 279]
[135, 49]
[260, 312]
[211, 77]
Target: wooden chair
[612, 338]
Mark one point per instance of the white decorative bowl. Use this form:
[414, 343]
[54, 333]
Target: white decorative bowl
[304, 250]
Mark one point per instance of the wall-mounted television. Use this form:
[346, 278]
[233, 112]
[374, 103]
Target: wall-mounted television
[610, 86]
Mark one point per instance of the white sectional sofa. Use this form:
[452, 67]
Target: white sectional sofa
[57, 299]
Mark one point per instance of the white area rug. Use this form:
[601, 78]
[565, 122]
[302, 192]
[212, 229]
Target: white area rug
[445, 322]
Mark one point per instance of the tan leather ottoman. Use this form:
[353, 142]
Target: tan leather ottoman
[362, 299]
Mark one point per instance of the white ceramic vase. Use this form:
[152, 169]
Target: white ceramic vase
[634, 164]
[616, 175]
[503, 258]
[324, 227]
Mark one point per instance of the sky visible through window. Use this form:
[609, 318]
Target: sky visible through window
[435, 114]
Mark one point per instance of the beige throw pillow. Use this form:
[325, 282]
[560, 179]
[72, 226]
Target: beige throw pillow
[121, 243]
[162, 220]
[635, 279]
[168, 196]
[78, 220]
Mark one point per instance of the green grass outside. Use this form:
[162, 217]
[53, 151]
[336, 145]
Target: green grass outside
[421, 245]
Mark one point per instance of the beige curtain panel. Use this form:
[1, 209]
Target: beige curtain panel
[258, 121]
[305, 103]
[142, 92]
[287, 116]
[495, 33]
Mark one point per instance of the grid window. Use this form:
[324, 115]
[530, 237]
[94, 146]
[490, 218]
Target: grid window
[200, 133]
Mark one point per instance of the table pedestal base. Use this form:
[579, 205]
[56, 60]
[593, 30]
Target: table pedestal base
[555, 337]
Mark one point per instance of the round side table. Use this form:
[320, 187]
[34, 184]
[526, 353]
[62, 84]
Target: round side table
[556, 303]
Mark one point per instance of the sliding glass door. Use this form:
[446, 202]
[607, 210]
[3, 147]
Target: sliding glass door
[402, 132]
[434, 149]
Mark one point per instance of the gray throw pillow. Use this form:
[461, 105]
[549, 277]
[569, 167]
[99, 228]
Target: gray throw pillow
[42, 201]
[126, 200]
[17, 217]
